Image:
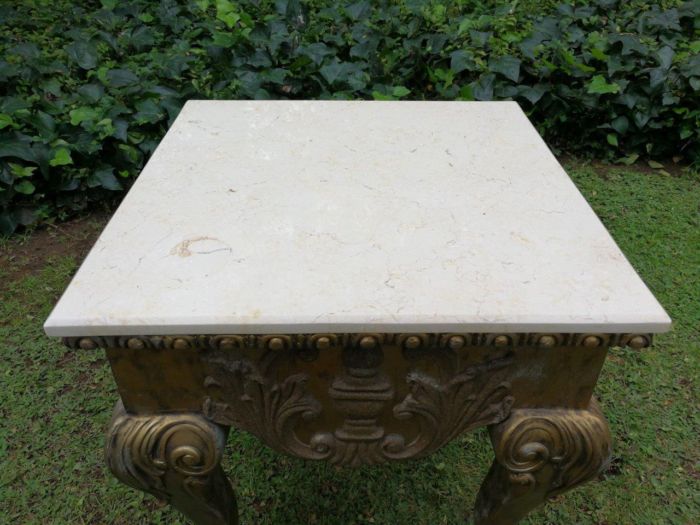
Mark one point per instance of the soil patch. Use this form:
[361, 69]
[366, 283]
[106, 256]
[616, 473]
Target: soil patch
[28, 254]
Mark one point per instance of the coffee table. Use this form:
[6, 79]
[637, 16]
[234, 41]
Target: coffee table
[356, 282]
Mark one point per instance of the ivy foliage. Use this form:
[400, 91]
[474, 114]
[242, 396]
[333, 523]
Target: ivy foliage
[87, 89]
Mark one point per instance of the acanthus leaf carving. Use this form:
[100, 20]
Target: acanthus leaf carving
[265, 408]
[445, 410]
[251, 399]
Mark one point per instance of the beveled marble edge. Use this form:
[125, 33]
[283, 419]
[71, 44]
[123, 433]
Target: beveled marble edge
[324, 340]
[78, 328]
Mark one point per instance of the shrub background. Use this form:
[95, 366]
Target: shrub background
[87, 89]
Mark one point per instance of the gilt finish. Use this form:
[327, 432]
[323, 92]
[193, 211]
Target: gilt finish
[365, 414]
[322, 341]
[539, 454]
[357, 399]
[175, 457]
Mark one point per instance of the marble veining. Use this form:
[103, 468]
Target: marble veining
[296, 217]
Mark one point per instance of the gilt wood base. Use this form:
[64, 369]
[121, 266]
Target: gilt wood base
[355, 399]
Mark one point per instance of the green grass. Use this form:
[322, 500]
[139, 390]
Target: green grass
[55, 404]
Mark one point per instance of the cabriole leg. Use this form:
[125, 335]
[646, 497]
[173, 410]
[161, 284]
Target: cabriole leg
[541, 453]
[175, 457]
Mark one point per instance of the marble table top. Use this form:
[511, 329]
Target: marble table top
[295, 217]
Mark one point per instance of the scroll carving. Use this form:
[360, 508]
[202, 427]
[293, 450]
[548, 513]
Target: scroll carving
[263, 407]
[176, 458]
[248, 396]
[539, 454]
[445, 410]
[575, 443]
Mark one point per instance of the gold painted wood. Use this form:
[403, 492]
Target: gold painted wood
[371, 421]
[540, 454]
[321, 341]
[175, 457]
[358, 399]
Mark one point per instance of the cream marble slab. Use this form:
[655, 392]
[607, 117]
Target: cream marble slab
[354, 216]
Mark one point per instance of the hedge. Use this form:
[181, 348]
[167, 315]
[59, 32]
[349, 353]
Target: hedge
[87, 89]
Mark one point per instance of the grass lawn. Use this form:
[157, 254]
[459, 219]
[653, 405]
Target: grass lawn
[55, 402]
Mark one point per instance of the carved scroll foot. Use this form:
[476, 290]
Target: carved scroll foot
[539, 454]
[176, 458]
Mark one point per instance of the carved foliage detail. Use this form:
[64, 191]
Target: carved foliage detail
[445, 410]
[268, 409]
[248, 396]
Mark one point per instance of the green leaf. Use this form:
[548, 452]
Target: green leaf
[640, 119]
[8, 223]
[17, 148]
[599, 85]
[332, 71]
[44, 124]
[571, 60]
[82, 114]
[61, 157]
[482, 89]
[358, 10]
[461, 60]
[5, 120]
[657, 76]
[316, 52]
[91, 92]
[83, 53]
[628, 160]
[25, 187]
[148, 111]
[105, 177]
[620, 124]
[466, 93]
[655, 165]
[507, 65]
[226, 12]
[480, 38]
[612, 139]
[378, 95]
[532, 93]
[669, 99]
[630, 44]
[11, 105]
[121, 78]
[348, 72]
[464, 26]
[665, 56]
[26, 50]
[599, 54]
[20, 171]
[400, 91]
